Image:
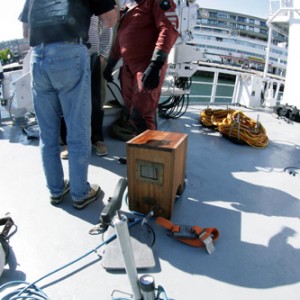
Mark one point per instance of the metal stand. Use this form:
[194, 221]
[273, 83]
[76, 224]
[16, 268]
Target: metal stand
[143, 288]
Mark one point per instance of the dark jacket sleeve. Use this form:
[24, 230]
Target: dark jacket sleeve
[24, 14]
[167, 23]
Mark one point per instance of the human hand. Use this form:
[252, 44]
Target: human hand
[107, 73]
[102, 59]
[151, 76]
[110, 18]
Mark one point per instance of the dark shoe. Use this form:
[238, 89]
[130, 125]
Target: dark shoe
[92, 196]
[58, 199]
[101, 148]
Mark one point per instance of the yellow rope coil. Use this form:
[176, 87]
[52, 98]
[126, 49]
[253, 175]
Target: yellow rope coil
[236, 125]
[205, 117]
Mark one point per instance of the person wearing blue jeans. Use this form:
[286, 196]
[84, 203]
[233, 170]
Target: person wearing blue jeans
[100, 39]
[61, 82]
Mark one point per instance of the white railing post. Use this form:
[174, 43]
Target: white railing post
[214, 87]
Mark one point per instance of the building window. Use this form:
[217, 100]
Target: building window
[222, 23]
[263, 23]
[263, 31]
[241, 19]
[222, 15]
[212, 22]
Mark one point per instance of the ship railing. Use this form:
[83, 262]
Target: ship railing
[280, 7]
[216, 84]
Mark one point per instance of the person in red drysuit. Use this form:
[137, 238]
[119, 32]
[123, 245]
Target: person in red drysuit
[147, 31]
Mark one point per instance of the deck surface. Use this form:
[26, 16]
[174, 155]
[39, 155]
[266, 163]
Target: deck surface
[246, 193]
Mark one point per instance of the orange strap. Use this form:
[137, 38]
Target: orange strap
[191, 235]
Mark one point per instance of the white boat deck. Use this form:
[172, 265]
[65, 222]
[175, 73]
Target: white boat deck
[246, 193]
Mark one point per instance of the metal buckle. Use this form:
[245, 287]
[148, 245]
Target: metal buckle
[8, 224]
[98, 229]
[184, 233]
[208, 243]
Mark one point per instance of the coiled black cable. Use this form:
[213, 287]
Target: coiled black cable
[176, 106]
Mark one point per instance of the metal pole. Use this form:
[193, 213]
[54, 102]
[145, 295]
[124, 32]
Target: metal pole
[214, 87]
[268, 50]
[121, 226]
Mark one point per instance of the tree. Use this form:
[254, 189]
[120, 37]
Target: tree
[5, 55]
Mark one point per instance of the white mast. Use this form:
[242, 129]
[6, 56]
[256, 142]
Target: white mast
[287, 18]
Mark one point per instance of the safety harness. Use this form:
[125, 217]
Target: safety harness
[192, 235]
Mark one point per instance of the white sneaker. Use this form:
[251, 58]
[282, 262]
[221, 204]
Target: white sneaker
[64, 154]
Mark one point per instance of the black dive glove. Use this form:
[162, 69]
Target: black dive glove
[107, 73]
[151, 75]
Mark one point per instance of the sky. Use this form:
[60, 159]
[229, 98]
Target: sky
[11, 27]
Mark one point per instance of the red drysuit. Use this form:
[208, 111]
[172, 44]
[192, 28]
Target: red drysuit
[147, 31]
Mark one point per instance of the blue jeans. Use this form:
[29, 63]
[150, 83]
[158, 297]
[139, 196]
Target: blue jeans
[61, 85]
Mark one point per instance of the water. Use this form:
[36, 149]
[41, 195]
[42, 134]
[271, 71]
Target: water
[204, 90]
[202, 87]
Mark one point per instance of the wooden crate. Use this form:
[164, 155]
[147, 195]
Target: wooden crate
[156, 166]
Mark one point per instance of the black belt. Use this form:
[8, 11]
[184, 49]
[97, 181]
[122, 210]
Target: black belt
[78, 40]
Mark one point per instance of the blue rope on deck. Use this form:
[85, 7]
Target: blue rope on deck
[32, 292]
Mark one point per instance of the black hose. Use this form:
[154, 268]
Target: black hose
[176, 106]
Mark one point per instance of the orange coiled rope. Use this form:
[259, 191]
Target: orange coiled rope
[210, 117]
[236, 126]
